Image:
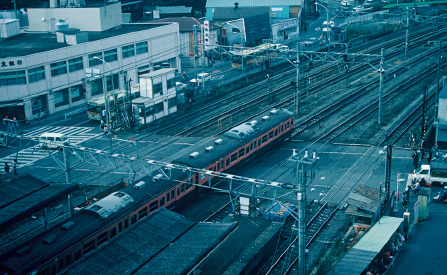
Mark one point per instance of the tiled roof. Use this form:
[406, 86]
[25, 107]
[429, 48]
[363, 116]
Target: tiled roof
[365, 198]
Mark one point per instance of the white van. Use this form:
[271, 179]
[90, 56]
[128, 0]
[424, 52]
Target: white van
[53, 140]
[200, 78]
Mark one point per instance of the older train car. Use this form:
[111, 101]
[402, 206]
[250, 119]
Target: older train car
[62, 245]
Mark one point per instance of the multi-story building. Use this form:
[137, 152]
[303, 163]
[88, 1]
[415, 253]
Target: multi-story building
[43, 69]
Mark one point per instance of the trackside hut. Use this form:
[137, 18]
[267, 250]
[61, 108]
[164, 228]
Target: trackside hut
[158, 96]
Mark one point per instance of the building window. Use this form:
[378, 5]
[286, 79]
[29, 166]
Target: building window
[75, 64]
[92, 61]
[158, 107]
[171, 83]
[128, 51]
[112, 82]
[236, 30]
[61, 98]
[111, 55]
[142, 213]
[77, 93]
[153, 206]
[157, 88]
[142, 47]
[12, 78]
[36, 74]
[58, 68]
[96, 87]
[172, 102]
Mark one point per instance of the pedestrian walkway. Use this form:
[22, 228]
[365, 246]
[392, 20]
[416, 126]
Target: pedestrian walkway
[29, 155]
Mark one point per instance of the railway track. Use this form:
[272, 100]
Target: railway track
[256, 90]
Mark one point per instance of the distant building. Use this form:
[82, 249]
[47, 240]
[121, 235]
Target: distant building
[160, 12]
[158, 96]
[280, 9]
[193, 45]
[441, 126]
[246, 32]
[43, 68]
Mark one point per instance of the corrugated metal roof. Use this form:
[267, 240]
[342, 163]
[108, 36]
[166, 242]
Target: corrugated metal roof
[174, 9]
[251, 3]
[365, 198]
[231, 13]
[361, 255]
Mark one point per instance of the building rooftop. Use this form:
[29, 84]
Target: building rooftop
[32, 43]
[243, 12]
[186, 24]
[251, 3]
[174, 9]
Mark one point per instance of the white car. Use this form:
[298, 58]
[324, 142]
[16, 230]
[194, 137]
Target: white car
[345, 3]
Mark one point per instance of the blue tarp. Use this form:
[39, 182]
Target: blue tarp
[277, 211]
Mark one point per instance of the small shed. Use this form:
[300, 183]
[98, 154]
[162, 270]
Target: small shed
[424, 202]
[363, 205]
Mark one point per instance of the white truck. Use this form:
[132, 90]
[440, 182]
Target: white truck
[435, 172]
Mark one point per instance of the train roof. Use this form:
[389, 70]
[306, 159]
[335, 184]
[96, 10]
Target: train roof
[24, 258]
[210, 150]
[133, 248]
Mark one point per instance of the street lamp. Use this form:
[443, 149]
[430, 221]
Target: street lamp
[328, 37]
[104, 85]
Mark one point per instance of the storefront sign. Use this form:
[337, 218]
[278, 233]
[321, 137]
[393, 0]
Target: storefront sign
[288, 24]
[10, 63]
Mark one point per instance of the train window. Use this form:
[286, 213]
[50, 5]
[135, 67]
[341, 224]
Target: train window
[168, 197]
[68, 259]
[120, 227]
[77, 255]
[251, 146]
[287, 125]
[254, 144]
[264, 138]
[233, 157]
[104, 237]
[188, 186]
[172, 194]
[133, 219]
[61, 264]
[221, 164]
[247, 149]
[227, 162]
[282, 128]
[178, 191]
[259, 142]
[271, 135]
[113, 232]
[46, 271]
[153, 206]
[89, 246]
[182, 188]
[54, 270]
[276, 132]
[143, 212]
[241, 153]
[162, 202]
[126, 223]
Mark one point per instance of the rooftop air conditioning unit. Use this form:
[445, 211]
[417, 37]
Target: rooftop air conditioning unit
[194, 155]
[140, 185]
[265, 118]
[218, 141]
[209, 148]
[273, 112]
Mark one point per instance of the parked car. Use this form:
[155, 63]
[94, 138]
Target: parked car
[200, 78]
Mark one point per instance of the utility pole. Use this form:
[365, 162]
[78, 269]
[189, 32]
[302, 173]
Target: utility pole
[297, 95]
[406, 36]
[302, 165]
[388, 171]
[423, 115]
[381, 72]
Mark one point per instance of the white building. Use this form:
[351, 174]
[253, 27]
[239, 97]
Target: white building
[158, 96]
[44, 71]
